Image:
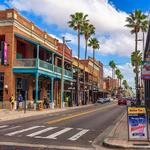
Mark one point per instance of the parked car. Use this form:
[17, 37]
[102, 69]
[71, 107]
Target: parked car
[107, 100]
[101, 100]
[122, 101]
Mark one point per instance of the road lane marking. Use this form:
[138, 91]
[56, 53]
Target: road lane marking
[4, 126]
[78, 115]
[54, 136]
[78, 135]
[10, 128]
[23, 130]
[41, 131]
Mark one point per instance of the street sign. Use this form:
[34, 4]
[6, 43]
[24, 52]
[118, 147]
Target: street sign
[146, 70]
[137, 124]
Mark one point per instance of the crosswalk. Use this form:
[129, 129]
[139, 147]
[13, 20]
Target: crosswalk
[43, 132]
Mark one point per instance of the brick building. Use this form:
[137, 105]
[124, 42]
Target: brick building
[111, 85]
[93, 79]
[30, 61]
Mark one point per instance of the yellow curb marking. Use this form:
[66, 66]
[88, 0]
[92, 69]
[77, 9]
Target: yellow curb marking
[77, 115]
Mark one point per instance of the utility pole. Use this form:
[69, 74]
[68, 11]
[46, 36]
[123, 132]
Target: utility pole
[62, 73]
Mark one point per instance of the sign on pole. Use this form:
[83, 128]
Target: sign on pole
[146, 70]
[137, 124]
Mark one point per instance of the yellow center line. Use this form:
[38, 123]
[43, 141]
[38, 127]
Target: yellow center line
[77, 115]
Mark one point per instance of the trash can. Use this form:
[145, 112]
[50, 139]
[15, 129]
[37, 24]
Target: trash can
[39, 105]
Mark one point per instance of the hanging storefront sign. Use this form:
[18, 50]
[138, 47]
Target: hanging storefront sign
[4, 55]
[137, 123]
[146, 70]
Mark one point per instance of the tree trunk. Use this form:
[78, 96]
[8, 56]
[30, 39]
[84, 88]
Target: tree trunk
[85, 100]
[136, 69]
[78, 81]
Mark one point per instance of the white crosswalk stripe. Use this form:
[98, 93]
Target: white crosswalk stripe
[23, 130]
[78, 135]
[53, 136]
[42, 131]
[37, 134]
[4, 126]
[10, 128]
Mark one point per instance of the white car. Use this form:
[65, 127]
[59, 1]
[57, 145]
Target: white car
[101, 100]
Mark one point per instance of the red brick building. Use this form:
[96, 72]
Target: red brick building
[111, 84]
[30, 60]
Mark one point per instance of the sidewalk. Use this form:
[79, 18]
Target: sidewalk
[118, 137]
[6, 114]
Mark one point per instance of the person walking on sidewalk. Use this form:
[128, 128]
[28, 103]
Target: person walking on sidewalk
[46, 102]
[12, 102]
[19, 101]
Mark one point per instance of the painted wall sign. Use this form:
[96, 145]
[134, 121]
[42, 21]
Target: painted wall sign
[137, 123]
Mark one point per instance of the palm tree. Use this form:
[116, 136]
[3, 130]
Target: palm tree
[136, 21]
[87, 30]
[120, 76]
[117, 72]
[136, 60]
[94, 43]
[113, 66]
[125, 84]
[77, 20]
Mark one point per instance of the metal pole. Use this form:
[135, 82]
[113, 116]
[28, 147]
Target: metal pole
[25, 101]
[62, 74]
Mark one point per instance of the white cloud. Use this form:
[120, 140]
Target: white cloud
[102, 14]
[126, 70]
[2, 7]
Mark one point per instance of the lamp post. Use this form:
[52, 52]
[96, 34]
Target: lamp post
[62, 73]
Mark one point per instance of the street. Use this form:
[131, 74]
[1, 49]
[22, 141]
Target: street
[72, 129]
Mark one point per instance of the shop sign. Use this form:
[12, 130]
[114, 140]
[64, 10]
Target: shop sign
[5, 53]
[146, 70]
[137, 124]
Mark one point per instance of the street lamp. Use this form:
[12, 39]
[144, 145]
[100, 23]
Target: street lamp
[62, 74]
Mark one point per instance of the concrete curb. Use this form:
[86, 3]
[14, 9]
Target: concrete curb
[123, 144]
[20, 146]
[21, 114]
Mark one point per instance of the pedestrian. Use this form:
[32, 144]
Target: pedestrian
[19, 101]
[46, 102]
[12, 102]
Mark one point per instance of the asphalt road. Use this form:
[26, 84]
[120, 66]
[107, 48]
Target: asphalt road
[72, 129]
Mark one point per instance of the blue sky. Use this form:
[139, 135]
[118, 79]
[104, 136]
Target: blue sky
[108, 16]
[130, 5]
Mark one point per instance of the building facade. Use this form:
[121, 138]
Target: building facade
[30, 61]
[146, 71]
[111, 85]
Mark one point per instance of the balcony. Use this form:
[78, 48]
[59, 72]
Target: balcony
[40, 64]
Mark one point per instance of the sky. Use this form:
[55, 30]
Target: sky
[108, 17]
